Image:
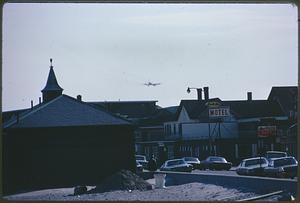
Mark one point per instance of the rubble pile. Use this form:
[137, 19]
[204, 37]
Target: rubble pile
[122, 180]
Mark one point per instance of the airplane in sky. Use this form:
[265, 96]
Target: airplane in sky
[151, 84]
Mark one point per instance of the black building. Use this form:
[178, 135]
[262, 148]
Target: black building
[63, 142]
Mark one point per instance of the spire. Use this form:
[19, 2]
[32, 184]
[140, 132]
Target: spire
[52, 89]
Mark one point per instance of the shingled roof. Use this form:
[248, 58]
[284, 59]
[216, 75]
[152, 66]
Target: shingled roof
[240, 109]
[131, 109]
[64, 111]
[254, 108]
[285, 96]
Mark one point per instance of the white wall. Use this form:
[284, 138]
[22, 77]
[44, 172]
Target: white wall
[201, 130]
[195, 131]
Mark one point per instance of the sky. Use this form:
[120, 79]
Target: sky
[106, 52]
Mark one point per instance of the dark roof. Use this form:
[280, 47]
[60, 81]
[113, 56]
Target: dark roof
[7, 115]
[162, 115]
[52, 84]
[254, 108]
[172, 109]
[240, 109]
[64, 111]
[130, 109]
[286, 96]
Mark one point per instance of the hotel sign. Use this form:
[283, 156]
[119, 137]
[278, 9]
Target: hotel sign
[219, 112]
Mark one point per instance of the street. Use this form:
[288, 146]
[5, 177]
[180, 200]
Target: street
[231, 172]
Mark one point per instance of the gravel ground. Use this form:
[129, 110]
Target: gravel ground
[191, 191]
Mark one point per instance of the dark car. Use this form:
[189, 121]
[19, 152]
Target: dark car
[252, 166]
[176, 165]
[215, 163]
[275, 154]
[284, 167]
[194, 161]
[142, 160]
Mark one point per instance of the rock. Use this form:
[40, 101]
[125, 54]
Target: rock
[79, 190]
[122, 180]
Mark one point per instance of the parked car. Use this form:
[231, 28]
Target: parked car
[139, 167]
[215, 163]
[176, 165]
[275, 154]
[142, 160]
[194, 161]
[252, 166]
[282, 167]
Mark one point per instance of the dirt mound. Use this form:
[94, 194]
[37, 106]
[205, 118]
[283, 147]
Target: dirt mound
[122, 180]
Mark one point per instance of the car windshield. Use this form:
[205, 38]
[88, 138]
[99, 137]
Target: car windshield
[255, 162]
[190, 159]
[219, 159]
[140, 158]
[271, 155]
[175, 162]
[283, 162]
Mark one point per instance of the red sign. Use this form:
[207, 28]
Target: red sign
[266, 131]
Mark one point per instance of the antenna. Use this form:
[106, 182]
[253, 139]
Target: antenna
[51, 62]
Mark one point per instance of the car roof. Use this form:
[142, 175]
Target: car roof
[174, 160]
[216, 157]
[279, 152]
[287, 157]
[142, 156]
[190, 157]
[254, 158]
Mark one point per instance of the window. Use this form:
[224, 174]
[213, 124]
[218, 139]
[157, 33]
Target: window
[180, 129]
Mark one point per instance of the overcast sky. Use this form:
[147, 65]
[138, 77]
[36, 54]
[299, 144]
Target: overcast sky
[106, 52]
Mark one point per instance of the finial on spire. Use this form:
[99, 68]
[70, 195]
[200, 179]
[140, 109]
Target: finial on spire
[51, 62]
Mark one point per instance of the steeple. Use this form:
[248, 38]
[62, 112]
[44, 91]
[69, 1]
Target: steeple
[52, 89]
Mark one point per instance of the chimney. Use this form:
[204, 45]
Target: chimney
[249, 96]
[31, 104]
[199, 93]
[40, 100]
[206, 96]
[79, 98]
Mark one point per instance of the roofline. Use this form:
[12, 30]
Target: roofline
[10, 111]
[43, 105]
[142, 101]
[292, 86]
[38, 107]
[241, 120]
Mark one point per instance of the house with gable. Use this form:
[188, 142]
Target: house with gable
[211, 126]
[63, 142]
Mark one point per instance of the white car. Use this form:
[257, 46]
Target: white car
[194, 161]
[252, 166]
[275, 154]
[141, 159]
[176, 165]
